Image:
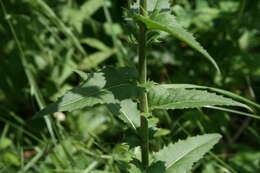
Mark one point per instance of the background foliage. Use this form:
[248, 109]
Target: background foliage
[54, 39]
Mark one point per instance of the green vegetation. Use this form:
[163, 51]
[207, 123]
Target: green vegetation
[110, 86]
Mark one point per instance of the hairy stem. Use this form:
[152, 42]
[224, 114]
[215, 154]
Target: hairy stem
[142, 79]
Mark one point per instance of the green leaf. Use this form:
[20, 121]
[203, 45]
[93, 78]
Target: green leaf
[113, 29]
[179, 98]
[234, 111]
[93, 60]
[82, 74]
[167, 23]
[153, 5]
[5, 142]
[157, 167]
[134, 169]
[90, 7]
[162, 5]
[95, 43]
[91, 121]
[179, 157]
[107, 86]
[161, 132]
[217, 90]
[127, 111]
[121, 152]
[130, 111]
[11, 158]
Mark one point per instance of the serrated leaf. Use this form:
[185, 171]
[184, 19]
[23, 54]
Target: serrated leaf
[222, 92]
[180, 157]
[127, 111]
[167, 23]
[130, 111]
[107, 86]
[179, 98]
[217, 90]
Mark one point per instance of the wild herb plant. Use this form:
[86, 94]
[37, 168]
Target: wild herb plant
[128, 94]
[59, 45]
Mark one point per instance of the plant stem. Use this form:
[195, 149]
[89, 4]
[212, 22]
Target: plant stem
[142, 79]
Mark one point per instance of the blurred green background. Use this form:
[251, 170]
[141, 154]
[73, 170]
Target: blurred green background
[43, 43]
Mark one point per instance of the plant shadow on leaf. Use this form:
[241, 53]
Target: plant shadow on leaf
[113, 87]
[158, 167]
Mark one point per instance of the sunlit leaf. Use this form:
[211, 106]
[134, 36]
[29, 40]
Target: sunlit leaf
[180, 157]
[217, 90]
[127, 111]
[179, 98]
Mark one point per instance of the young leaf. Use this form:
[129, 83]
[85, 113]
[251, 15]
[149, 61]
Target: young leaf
[179, 98]
[167, 23]
[179, 157]
[153, 5]
[107, 86]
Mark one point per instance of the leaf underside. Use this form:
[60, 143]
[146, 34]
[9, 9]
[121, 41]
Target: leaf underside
[180, 157]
